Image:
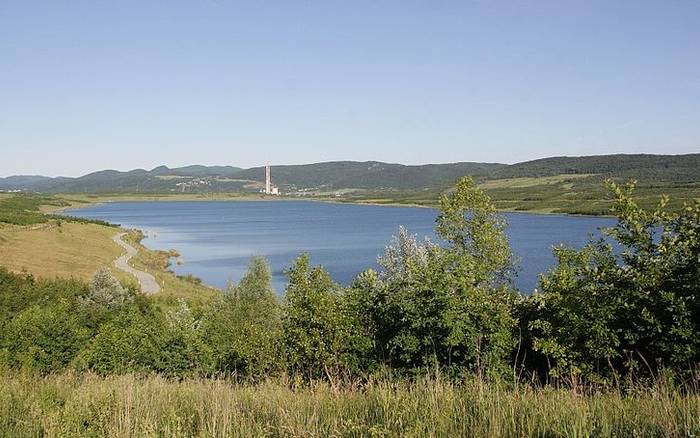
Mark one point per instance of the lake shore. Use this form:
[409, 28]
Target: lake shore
[218, 238]
[82, 201]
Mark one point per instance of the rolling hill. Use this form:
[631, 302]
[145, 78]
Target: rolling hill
[638, 166]
[557, 184]
[368, 175]
[371, 175]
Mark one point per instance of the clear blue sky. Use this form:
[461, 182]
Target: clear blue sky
[87, 85]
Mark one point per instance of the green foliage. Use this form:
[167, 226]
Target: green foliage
[603, 312]
[190, 279]
[479, 248]
[85, 405]
[106, 291]
[128, 342]
[243, 329]
[23, 209]
[442, 306]
[314, 327]
[43, 338]
[682, 168]
[20, 291]
[51, 325]
[185, 350]
[80, 220]
[137, 341]
[620, 308]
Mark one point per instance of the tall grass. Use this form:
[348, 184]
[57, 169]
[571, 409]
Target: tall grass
[126, 406]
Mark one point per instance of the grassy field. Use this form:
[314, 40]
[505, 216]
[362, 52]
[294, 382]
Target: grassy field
[561, 194]
[580, 195]
[128, 406]
[48, 247]
[172, 286]
[510, 183]
[67, 250]
[79, 250]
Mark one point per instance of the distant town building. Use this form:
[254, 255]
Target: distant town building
[197, 183]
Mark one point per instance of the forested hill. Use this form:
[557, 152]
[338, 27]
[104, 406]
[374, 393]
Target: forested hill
[370, 175]
[329, 176]
[640, 166]
[157, 180]
[336, 176]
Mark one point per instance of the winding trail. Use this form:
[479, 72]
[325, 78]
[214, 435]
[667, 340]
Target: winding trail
[148, 283]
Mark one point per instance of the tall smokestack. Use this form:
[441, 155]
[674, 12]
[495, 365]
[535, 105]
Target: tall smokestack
[268, 184]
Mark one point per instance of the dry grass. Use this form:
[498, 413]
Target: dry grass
[78, 250]
[128, 406]
[529, 181]
[67, 250]
[172, 287]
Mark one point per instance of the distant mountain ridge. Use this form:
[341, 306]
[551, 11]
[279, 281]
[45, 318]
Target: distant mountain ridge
[355, 175]
[663, 167]
[369, 175]
[19, 181]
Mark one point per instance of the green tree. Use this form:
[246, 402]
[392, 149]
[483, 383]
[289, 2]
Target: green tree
[185, 350]
[477, 243]
[446, 306]
[606, 310]
[314, 326]
[244, 328]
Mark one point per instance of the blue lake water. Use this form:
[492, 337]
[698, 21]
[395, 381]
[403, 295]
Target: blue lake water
[217, 238]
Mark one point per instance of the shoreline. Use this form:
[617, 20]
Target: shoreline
[176, 198]
[171, 262]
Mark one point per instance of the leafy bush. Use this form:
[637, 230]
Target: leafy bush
[20, 291]
[442, 306]
[314, 327]
[43, 338]
[606, 311]
[128, 342]
[106, 291]
[243, 328]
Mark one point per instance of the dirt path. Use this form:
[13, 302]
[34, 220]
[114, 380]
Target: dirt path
[148, 283]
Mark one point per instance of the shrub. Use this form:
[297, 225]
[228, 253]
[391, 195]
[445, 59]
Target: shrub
[314, 327]
[105, 291]
[633, 307]
[442, 306]
[43, 338]
[243, 329]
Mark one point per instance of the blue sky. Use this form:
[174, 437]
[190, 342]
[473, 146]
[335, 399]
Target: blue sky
[87, 85]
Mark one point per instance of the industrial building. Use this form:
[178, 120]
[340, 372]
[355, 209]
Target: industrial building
[270, 189]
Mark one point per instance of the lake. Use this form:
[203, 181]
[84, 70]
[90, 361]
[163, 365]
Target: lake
[217, 238]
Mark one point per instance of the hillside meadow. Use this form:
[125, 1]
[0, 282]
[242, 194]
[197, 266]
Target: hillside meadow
[34, 240]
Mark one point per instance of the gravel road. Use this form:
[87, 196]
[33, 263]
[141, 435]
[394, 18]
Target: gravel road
[148, 283]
